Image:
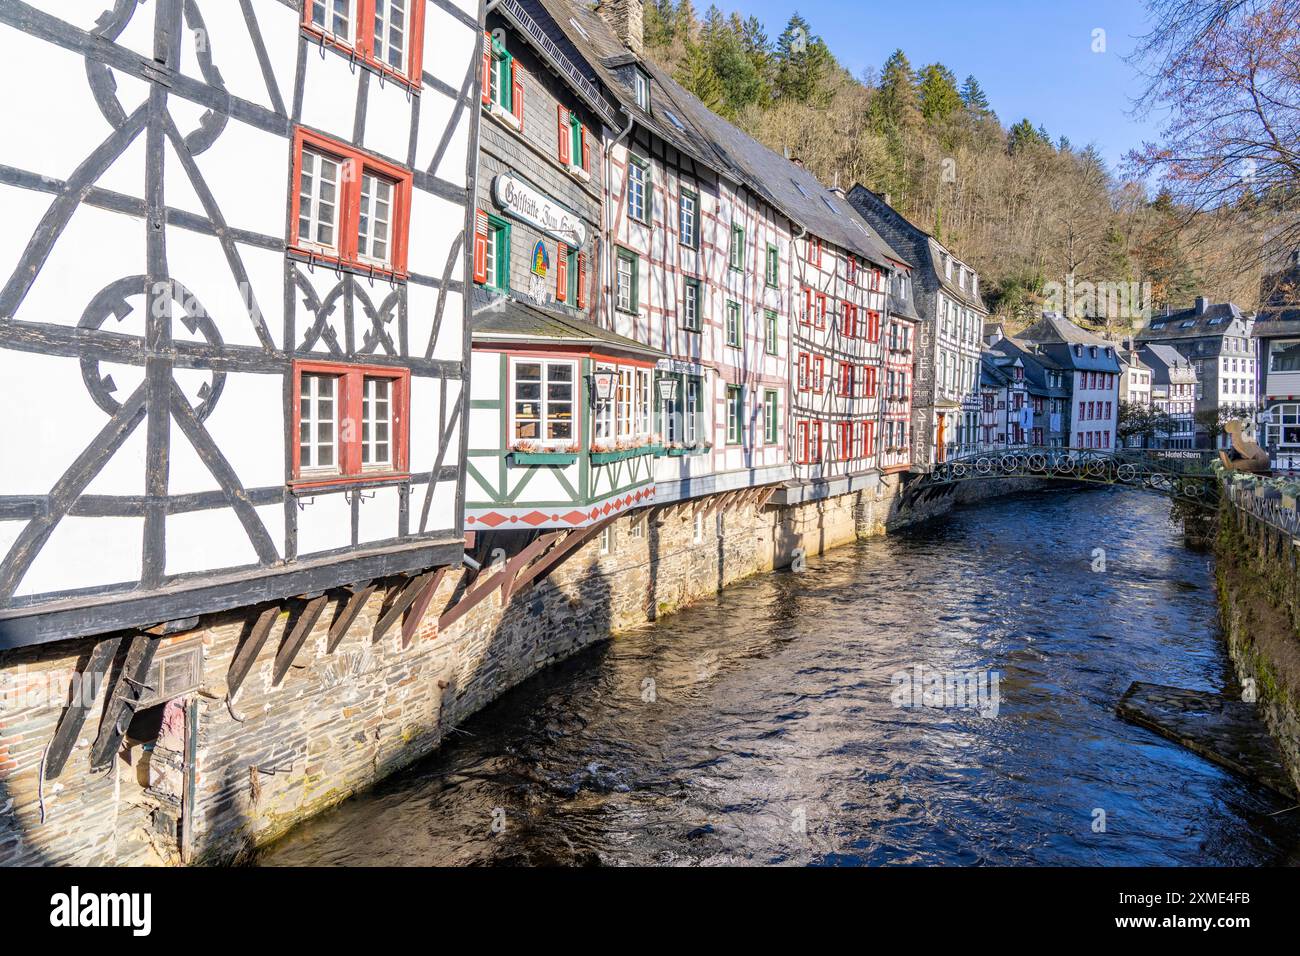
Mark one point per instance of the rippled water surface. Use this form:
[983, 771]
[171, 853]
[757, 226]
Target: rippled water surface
[771, 736]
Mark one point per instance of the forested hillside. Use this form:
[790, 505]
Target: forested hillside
[1024, 206]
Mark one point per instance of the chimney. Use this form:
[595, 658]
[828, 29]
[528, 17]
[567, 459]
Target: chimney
[837, 189]
[626, 18]
[797, 161]
[1202, 303]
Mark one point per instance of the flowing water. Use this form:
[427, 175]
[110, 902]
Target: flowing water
[763, 726]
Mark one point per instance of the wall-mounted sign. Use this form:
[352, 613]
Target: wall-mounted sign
[603, 385]
[667, 389]
[680, 367]
[541, 260]
[522, 201]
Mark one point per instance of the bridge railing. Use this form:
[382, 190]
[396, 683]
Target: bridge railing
[1270, 510]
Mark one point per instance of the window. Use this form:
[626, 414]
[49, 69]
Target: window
[735, 414]
[771, 417]
[773, 266]
[868, 447]
[737, 256]
[386, 34]
[849, 323]
[349, 209]
[491, 251]
[869, 381]
[638, 525]
[329, 402]
[698, 535]
[846, 379]
[851, 269]
[808, 442]
[805, 371]
[641, 89]
[689, 219]
[628, 269]
[733, 325]
[542, 408]
[844, 440]
[815, 251]
[819, 317]
[680, 415]
[636, 182]
[772, 330]
[1284, 356]
[691, 304]
[607, 539]
[627, 415]
[570, 271]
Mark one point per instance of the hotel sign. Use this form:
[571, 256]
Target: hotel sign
[520, 200]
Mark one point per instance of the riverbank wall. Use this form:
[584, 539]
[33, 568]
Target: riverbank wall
[1257, 551]
[224, 773]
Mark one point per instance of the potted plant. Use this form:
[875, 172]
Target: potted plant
[527, 451]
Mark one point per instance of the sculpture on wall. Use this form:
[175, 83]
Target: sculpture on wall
[1245, 455]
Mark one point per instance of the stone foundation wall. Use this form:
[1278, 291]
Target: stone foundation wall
[1259, 601]
[340, 722]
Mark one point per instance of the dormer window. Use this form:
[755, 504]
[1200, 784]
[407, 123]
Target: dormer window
[641, 89]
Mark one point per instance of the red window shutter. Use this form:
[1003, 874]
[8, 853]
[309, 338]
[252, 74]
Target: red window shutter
[561, 273]
[487, 67]
[480, 246]
[807, 306]
[564, 133]
[517, 93]
[586, 150]
[582, 280]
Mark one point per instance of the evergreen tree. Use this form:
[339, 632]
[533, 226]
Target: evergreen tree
[938, 94]
[896, 105]
[974, 98]
[803, 64]
[697, 75]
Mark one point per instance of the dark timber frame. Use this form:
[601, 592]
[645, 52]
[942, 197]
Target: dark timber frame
[374, 329]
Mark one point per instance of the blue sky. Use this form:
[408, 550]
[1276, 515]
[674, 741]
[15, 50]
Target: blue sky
[1034, 58]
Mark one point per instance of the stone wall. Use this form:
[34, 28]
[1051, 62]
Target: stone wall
[340, 722]
[1259, 601]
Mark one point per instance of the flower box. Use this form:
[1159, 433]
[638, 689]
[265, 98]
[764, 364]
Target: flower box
[606, 457]
[520, 459]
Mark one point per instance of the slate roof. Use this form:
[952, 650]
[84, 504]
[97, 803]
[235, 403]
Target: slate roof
[1057, 336]
[500, 319]
[707, 137]
[1167, 363]
[1214, 321]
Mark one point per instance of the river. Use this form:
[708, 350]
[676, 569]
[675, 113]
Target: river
[763, 726]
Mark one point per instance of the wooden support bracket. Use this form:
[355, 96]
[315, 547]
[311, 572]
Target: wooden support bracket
[74, 717]
[503, 579]
[560, 553]
[242, 663]
[403, 601]
[127, 690]
[349, 610]
[308, 615]
[415, 613]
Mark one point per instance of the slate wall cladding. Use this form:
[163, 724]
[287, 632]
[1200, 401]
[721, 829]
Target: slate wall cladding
[534, 156]
[341, 722]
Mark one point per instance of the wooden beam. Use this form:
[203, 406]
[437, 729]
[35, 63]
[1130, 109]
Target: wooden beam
[74, 717]
[348, 612]
[415, 613]
[125, 693]
[560, 553]
[404, 600]
[502, 579]
[246, 656]
[307, 617]
[765, 497]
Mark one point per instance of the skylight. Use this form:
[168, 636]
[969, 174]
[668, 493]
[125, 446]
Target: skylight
[802, 192]
[829, 205]
[672, 118]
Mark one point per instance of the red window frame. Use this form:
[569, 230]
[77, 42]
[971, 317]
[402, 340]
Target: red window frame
[819, 318]
[873, 325]
[348, 401]
[808, 442]
[869, 381]
[851, 269]
[807, 317]
[363, 12]
[349, 205]
[819, 374]
[850, 320]
[845, 440]
[846, 378]
[805, 372]
[868, 439]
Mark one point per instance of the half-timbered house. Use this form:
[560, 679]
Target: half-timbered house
[233, 314]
